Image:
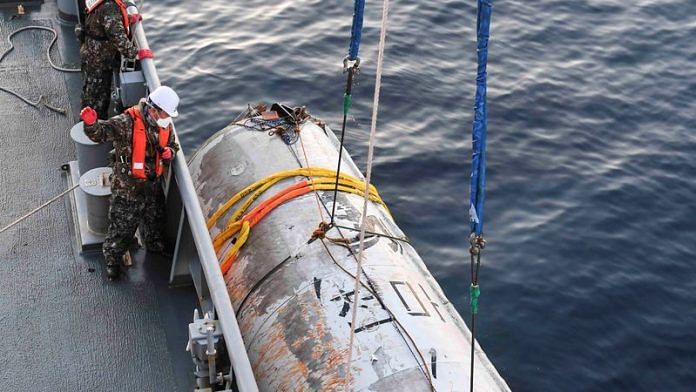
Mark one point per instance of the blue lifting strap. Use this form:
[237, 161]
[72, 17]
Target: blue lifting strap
[478, 165]
[356, 30]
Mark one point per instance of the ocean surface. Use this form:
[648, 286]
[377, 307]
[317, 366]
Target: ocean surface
[589, 277]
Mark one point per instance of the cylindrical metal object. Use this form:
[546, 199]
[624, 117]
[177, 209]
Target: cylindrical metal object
[90, 155]
[211, 353]
[293, 295]
[67, 10]
[95, 184]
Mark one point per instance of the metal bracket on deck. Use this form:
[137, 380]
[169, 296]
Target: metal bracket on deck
[205, 341]
[129, 87]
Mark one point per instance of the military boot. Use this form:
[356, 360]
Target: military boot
[113, 271]
[155, 247]
[127, 259]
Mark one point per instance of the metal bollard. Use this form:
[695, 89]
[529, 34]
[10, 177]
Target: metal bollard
[67, 10]
[90, 155]
[97, 188]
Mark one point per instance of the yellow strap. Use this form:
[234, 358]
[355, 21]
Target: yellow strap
[306, 171]
[325, 179]
[243, 235]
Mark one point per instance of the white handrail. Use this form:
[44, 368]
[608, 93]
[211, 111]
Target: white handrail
[246, 382]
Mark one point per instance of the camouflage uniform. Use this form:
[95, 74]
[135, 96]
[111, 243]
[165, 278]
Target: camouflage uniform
[133, 201]
[105, 39]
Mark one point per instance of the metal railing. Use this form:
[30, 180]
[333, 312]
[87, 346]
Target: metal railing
[196, 223]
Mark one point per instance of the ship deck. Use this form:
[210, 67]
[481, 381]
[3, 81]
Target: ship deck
[64, 326]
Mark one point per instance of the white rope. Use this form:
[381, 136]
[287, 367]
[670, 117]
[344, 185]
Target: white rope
[41, 100]
[37, 209]
[368, 176]
[48, 50]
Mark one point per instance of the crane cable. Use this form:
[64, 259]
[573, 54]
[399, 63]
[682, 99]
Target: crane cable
[352, 70]
[478, 168]
[368, 177]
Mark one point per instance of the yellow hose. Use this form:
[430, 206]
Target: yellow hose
[305, 171]
[245, 227]
[226, 234]
[324, 180]
[243, 235]
[320, 180]
[319, 184]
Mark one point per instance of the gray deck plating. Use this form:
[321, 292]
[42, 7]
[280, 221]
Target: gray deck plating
[64, 326]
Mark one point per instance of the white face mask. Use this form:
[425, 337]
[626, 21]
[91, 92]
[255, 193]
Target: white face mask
[164, 122]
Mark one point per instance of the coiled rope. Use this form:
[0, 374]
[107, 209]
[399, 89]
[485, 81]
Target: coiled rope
[323, 177]
[261, 185]
[41, 99]
[48, 50]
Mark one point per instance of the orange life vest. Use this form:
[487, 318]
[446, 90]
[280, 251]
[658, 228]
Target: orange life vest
[140, 145]
[93, 4]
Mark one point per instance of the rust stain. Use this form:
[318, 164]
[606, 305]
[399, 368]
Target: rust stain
[276, 365]
[316, 346]
[246, 319]
[295, 349]
[236, 283]
[296, 345]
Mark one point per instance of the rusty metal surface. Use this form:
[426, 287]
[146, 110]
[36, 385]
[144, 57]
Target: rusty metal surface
[293, 298]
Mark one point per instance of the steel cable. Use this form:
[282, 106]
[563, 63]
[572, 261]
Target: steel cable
[368, 176]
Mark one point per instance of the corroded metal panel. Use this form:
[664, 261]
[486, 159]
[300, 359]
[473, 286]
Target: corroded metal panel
[294, 297]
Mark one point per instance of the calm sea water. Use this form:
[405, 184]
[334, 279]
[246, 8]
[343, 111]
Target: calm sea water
[588, 282]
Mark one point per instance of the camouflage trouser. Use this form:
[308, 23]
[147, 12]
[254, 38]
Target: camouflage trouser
[143, 205]
[96, 90]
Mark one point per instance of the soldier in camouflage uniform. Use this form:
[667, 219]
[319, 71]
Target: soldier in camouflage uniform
[137, 197]
[106, 38]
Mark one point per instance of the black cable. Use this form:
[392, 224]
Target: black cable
[376, 234]
[401, 330]
[477, 244]
[346, 106]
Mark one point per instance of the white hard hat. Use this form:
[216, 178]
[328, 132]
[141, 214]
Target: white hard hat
[165, 99]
